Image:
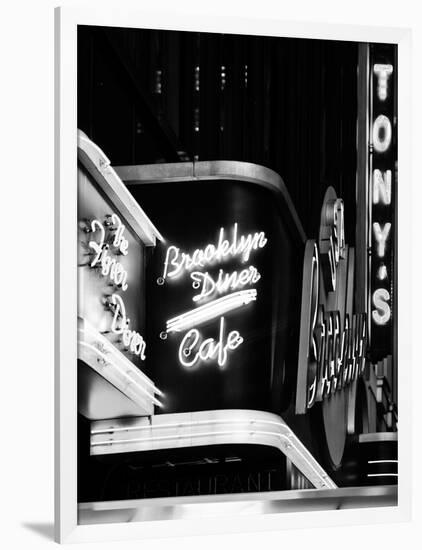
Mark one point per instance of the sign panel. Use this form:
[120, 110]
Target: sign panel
[113, 233]
[383, 181]
[333, 338]
[111, 272]
[222, 295]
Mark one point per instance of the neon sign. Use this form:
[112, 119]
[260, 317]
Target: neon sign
[111, 242]
[331, 240]
[120, 325]
[381, 134]
[193, 349]
[109, 265]
[383, 72]
[381, 236]
[382, 163]
[333, 340]
[382, 312]
[211, 310]
[177, 261]
[381, 192]
[335, 347]
[224, 282]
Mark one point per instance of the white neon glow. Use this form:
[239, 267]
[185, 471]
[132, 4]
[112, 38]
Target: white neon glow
[383, 72]
[143, 225]
[119, 241]
[382, 314]
[192, 349]
[224, 282]
[120, 325]
[90, 334]
[382, 475]
[184, 424]
[383, 461]
[333, 240]
[382, 272]
[119, 372]
[381, 187]
[177, 261]
[314, 303]
[381, 236]
[210, 311]
[289, 443]
[110, 267]
[97, 247]
[335, 217]
[381, 134]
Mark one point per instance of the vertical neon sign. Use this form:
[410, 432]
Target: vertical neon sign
[382, 167]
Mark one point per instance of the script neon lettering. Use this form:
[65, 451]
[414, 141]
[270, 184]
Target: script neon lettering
[192, 350]
[314, 299]
[223, 283]
[120, 241]
[332, 241]
[176, 261]
[110, 266]
[97, 247]
[120, 325]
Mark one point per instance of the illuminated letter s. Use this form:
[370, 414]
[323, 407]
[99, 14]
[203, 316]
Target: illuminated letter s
[381, 315]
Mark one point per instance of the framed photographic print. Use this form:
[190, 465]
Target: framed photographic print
[232, 341]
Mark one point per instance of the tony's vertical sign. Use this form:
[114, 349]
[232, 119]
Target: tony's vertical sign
[383, 181]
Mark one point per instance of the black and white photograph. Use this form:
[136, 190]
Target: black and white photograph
[237, 273]
[210, 283]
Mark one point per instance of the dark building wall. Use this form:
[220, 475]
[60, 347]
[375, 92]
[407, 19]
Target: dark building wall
[164, 96]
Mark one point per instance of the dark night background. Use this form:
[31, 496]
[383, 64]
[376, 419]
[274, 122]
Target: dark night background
[147, 96]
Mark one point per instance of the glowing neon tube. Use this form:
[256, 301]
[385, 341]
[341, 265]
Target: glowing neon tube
[119, 357]
[120, 375]
[292, 446]
[383, 461]
[382, 475]
[209, 311]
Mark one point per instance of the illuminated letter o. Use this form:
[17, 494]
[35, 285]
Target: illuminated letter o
[381, 134]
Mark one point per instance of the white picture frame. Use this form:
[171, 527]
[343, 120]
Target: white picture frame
[233, 515]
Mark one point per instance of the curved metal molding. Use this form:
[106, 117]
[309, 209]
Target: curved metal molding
[98, 165]
[217, 170]
[169, 431]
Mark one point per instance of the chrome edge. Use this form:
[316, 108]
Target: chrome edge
[192, 507]
[214, 170]
[203, 428]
